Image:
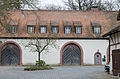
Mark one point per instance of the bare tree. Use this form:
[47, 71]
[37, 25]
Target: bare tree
[79, 4]
[108, 5]
[117, 3]
[71, 4]
[53, 7]
[41, 45]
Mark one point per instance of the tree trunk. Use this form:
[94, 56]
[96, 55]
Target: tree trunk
[39, 59]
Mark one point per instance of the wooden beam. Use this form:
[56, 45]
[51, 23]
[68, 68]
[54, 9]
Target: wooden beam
[118, 36]
[111, 39]
[115, 44]
[114, 38]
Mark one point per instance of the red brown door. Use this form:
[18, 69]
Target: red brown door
[116, 61]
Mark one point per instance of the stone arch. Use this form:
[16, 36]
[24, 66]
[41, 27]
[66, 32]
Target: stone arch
[14, 43]
[100, 57]
[71, 42]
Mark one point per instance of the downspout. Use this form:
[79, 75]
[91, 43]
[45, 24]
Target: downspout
[109, 50]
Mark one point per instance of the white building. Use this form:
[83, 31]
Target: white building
[79, 37]
[87, 51]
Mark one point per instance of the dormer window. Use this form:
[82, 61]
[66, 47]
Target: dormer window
[43, 29]
[67, 29]
[78, 29]
[31, 28]
[96, 28]
[12, 29]
[55, 29]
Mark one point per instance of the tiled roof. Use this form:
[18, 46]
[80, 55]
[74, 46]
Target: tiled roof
[114, 30]
[61, 18]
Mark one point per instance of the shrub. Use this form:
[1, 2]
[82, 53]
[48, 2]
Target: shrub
[42, 63]
[33, 68]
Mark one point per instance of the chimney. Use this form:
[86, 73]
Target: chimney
[94, 8]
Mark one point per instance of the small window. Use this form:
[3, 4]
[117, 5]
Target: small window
[55, 29]
[42, 29]
[31, 28]
[12, 29]
[78, 29]
[67, 29]
[97, 55]
[97, 30]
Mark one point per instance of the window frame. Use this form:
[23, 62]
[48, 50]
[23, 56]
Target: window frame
[94, 29]
[45, 29]
[13, 29]
[65, 29]
[76, 31]
[53, 26]
[28, 26]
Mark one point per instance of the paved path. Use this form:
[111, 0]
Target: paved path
[75, 72]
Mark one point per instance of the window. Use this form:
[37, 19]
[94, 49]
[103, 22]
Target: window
[12, 29]
[67, 29]
[97, 30]
[55, 29]
[31, 28]
[42, 29]
[78, 29]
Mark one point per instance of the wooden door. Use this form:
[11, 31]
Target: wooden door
[97, 59]
[116, 61]
[71, 55]
[10, 55]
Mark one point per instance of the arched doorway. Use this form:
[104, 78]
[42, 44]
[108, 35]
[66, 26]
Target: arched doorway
[10, 54]
[71, 54]
[97, 58]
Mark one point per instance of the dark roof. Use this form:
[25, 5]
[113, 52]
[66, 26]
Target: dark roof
[114, 30]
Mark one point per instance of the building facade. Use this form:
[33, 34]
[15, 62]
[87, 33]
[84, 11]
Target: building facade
[78, 33]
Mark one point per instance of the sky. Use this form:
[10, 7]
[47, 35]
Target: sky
[50, 2]
[55, 2]
[42, 3]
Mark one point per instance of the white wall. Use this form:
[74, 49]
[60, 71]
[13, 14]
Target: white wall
[90, 47]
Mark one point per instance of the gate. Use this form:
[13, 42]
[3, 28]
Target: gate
[10, 55]
[71, 55]
[116, 61]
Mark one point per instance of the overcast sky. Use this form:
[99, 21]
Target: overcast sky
[55, 2]
[51, 2]
[42, 3]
